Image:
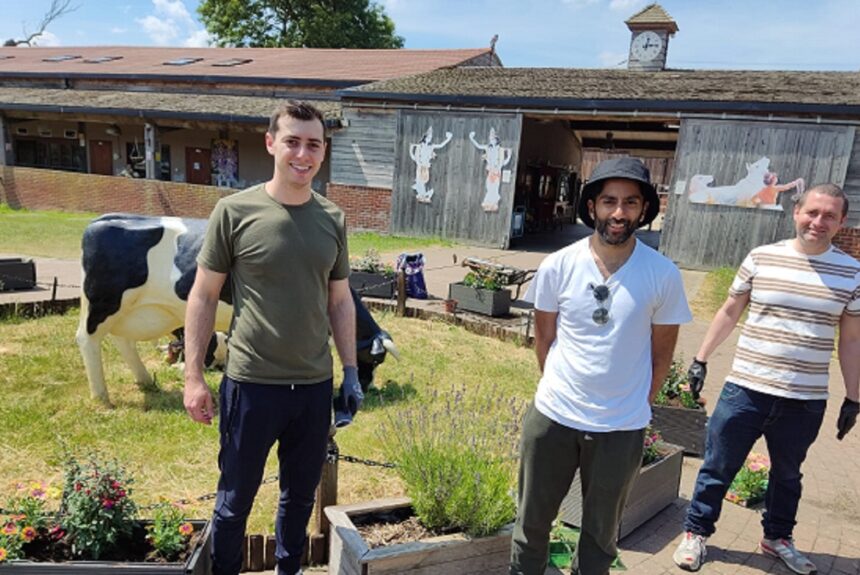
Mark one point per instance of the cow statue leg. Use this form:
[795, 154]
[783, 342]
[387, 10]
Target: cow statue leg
[128, 350]
[91, 353]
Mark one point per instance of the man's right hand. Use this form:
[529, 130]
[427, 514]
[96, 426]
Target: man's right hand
[198, 400]
[696, 376]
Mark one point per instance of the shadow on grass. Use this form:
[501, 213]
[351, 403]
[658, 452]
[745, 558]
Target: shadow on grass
[389, 393]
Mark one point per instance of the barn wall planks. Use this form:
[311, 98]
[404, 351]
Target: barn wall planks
[707, 236]
[362, 154]
[852, 184]
[457, 177]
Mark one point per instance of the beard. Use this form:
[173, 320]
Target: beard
[602, 227]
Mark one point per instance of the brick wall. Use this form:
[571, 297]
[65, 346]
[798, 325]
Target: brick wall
[40, 189]
[365, 208]
[848, 240]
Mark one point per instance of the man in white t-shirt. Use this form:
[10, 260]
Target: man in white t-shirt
[607, 310]
[798, 291]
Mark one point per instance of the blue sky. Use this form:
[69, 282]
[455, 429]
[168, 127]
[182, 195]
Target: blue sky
[748, 34]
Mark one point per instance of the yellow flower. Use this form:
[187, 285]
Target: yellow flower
[186, 529]
[54, 492]
[3, 554]
[28, 534]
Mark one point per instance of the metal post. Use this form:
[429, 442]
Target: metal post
[150, 141]
[326, 495]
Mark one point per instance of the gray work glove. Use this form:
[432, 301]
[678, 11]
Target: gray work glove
[696, 376]
[847, 417]
[348, 399]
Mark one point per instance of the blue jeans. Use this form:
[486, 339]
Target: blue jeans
[742, 416]
[253, 417]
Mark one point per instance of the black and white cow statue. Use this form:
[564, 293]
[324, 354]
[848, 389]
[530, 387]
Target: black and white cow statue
[137, 273]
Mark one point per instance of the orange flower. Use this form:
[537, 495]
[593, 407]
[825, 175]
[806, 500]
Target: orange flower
[3, 554]
[28, 534]
[186, 529]
[10, 529]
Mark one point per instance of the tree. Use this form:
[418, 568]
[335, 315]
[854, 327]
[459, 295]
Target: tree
[57, 9]
[297, 23]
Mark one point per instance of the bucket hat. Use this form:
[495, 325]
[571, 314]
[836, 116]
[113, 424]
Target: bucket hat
[625, 168]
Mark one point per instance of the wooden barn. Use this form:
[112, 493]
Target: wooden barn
[486, 154]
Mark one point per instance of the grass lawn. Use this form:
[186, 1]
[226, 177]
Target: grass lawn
[713, 292]
[58, 235]
[46, 404]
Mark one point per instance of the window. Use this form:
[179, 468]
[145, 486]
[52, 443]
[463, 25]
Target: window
[5, 57]
[232, 62]
[61, 58]
[182, 61]
[53, 154]
[100, 59]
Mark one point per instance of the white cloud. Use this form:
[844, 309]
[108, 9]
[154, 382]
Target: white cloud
[173, 10]
[162, 32]
[612, 59]
[47, 39]
[580, 3]
[198, 39]
[623, 5]
[118, 30]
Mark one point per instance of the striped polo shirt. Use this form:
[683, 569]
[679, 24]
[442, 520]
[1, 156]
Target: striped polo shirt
[796, 301]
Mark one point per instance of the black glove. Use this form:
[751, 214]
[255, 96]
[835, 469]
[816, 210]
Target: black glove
[847, 417]
[348, 399]
[696, 376]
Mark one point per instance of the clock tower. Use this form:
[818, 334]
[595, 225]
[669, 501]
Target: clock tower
[651, 29]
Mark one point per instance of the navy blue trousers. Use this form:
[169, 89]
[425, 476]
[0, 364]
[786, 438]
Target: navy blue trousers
[253, 417]
[742, 415]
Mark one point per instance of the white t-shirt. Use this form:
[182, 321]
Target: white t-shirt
[597, 377]
[796, 302]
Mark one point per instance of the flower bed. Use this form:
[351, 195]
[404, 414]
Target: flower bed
[680, 417]
[750, 484]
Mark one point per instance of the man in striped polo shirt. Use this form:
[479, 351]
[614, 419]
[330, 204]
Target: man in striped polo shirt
[798, 292]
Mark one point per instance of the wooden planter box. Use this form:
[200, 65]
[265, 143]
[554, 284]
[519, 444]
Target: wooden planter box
[17, 273]
[198, 563]
[483, 301]
[655, 488]
[681, 426]
[372, 284]
[447, 554]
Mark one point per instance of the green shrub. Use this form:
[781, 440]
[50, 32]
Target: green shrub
[675, 390]
[169, 531]
[371, 262]
[455, 452]
[97, 510]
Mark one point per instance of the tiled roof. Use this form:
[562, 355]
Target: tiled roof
[652, 15]
[294, 63]
[150, 104]
[554, 86]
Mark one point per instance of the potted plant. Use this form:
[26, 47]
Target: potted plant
[95, 528]
[680, 417]
[370, 277]
[750, 484]
[481, 291]
[456, 458]
[656, 487]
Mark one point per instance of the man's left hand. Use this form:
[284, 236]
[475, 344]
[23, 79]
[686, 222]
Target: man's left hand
[847, 417]
[349, 397]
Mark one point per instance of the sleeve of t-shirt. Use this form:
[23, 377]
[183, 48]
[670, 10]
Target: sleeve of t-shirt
[672, 309]
[340, 270]
[853, 307]
[216, 253]
[743, 278]
[543, 290]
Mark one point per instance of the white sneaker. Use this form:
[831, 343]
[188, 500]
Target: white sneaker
[784, 549]
[691, 552]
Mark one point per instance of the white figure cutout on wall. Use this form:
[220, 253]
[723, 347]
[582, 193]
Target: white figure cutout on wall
[760, 188]
[422, 154]
[497, 157]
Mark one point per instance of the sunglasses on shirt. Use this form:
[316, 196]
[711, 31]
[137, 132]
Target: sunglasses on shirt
[601, 297]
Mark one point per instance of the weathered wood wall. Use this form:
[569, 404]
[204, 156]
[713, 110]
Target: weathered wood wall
[363, 153]
[852, 184]
[707, 236]
[457, 176]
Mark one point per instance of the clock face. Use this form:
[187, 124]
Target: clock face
[646, 46]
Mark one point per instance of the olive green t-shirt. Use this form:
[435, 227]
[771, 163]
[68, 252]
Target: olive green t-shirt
[281, 259]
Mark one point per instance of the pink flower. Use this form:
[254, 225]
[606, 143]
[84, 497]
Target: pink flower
[186, 529]
[108, 503]
[10, 529]
[56, 533]
[755, 466]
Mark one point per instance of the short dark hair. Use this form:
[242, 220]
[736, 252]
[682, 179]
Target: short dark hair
[831, 190]
[297, 110]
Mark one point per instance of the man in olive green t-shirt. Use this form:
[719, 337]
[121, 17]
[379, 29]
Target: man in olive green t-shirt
[283, 249]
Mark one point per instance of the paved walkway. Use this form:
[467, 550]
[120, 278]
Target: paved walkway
[829, 516]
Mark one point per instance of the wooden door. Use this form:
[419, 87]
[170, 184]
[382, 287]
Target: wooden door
[101, 157]
[198, 169]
